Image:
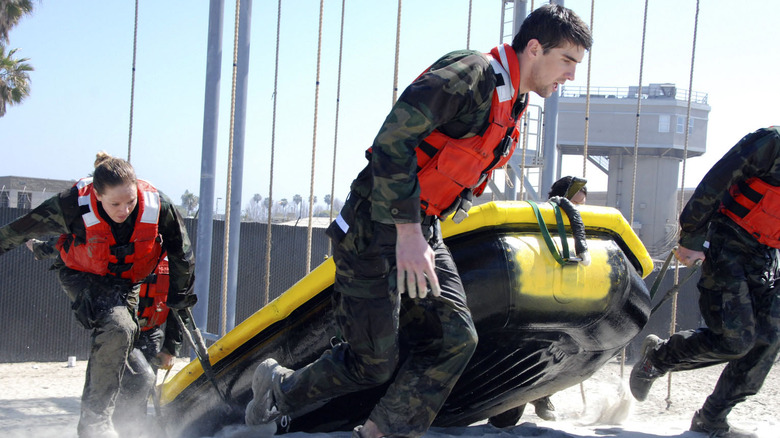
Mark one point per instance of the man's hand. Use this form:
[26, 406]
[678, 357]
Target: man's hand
[415, 262]
[687, 256]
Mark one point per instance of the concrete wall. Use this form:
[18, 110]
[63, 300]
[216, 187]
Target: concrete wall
[38, 189]
[655, 195]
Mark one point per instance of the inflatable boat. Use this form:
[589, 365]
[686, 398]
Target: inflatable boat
[544, 324]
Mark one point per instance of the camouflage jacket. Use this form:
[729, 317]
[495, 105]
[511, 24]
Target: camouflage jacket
[173, 336]
[60, 215]
[755, 155]
[453, 96]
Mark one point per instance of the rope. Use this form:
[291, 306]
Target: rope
[223, 323]
[468, 29]
[587, 101]
[638, 112]
[672, 325]
[688, 114]
[132, 83]
[584, 174]
[271, 173]
[397, 52]
[314, 142]
[636, 144]
[673, 322]
[336, 134]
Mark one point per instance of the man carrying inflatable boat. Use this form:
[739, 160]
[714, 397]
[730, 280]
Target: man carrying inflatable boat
[396, 281]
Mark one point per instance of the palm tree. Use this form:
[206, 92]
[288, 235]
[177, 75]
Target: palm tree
[14, 79]
[190, 202]
[11, 11]
[254, 210]
[297, 199]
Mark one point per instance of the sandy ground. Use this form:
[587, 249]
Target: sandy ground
[42, 400]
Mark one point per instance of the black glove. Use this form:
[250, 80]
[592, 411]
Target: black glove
[181, 300]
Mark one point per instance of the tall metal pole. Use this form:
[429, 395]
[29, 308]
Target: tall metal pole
[239, 130]
[510, 186]
[208, 164]
[550, 146]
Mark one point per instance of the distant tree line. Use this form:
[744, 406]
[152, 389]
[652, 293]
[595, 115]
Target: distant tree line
[256, 209]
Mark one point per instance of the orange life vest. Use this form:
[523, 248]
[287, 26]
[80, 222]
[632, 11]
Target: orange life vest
[152, 310]
[100, 254]
[448, 166]
[755, 206]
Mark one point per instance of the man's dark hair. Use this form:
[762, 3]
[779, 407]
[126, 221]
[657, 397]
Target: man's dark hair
[553, 26]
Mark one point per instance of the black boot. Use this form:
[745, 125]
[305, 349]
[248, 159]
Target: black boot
[719, 428]
[644, 372]
[507, 418]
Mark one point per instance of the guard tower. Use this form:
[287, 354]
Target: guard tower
[661, 145]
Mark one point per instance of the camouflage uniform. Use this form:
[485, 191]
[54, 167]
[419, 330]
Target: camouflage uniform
[454, 96]
[104, 304]
[142, 364]
[739, 293]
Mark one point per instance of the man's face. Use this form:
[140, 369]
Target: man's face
[579, 198]
[119, 201]
[555, 67]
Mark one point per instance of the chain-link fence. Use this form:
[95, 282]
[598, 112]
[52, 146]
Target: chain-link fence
[35, 318]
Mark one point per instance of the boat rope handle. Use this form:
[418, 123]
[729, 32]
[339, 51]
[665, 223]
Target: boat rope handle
[546, 234]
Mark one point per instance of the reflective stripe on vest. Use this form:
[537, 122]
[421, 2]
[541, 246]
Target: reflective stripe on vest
[754, 205]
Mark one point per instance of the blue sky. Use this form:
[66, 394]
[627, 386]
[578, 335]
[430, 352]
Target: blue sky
[82, 55]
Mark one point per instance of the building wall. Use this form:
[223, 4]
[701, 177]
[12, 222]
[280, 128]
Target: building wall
[30, 191]
[655, 197]
[612, 123]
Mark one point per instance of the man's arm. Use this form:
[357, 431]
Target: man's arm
[453, 96]
[755, 155]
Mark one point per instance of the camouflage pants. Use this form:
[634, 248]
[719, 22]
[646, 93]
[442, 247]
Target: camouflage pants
[375, 320]
[137, 383]
[740, 303]
[106, 306]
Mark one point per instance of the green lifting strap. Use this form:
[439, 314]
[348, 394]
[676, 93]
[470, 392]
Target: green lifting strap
[546, 234]
[561, 231]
